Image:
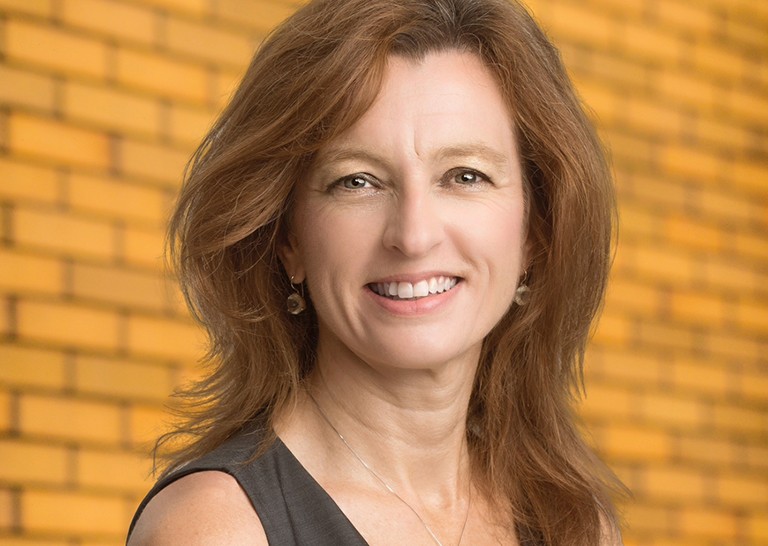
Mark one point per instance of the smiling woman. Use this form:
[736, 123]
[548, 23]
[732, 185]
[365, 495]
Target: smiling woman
[419, 182]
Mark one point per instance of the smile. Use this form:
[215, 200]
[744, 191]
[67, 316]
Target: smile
[403, 290]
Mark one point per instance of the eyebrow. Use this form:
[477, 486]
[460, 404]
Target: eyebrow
[478, 150]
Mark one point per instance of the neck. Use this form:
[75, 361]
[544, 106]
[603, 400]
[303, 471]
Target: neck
[408, 425]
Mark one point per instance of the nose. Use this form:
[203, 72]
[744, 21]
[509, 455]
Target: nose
[414, 226]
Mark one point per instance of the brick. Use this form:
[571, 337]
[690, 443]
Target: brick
[698, 309]
[756, 457]
[223, 85]
[665, 336]
[164, 338]
[26, 89]
[730, 418]
[635, 443]
[58, 142]
[261, 15]
[6, 418]
[747, 175]
[599, 100]
[647, 517]
[111, 109]
[754, 386]
[751, 246]
[143, 247]
[27, 367]
[700, 377]
[743, 490]
[729, 206]
[114, 20]
[639, 222]
[715, 452]
[630, 149]
[753, 315]
[671, 410]
[7, 508]
[607, 402]
[631, 367]
[190, 7]
[27, 274]
[723, 274]
[652, 117]
[67, 325]
[691, 163]
[69, 419]
[687, 89]
[727, 134]
[117, 199]
[578, 23]
[122, 378]
[674, 484]
[26, 463]
[703, 522]
[63, 233]
[650, 189]
[153, 162]
[42, 8]
[650, 43]
[757, 526]
[717, 61]
[663, 264]
[692, 19]
[23, 182]
[613, 331]
[120, 472]
[72, 512]
[166, 77]
[187, 125]
[62, 51]
[734, 345]
[129, 289]
[610, 66]
[206, 43]
[146, 424]
[747, 105]
[634, 298]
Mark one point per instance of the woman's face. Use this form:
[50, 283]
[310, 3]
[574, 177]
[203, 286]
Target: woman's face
[409, 227]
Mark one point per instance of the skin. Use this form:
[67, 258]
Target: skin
[426, 184]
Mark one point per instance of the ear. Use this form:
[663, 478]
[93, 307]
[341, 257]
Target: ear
[290, 256]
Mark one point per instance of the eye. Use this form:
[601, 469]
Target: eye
[465, 177]
[355, 182]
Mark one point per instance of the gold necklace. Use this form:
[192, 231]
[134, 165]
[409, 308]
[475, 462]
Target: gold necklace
[389, 488]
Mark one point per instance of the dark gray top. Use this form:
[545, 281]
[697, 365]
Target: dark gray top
[292, 507]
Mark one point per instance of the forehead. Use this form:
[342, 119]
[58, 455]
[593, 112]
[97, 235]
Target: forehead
[448, 99]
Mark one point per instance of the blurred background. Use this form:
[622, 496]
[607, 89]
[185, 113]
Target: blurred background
[103, 101]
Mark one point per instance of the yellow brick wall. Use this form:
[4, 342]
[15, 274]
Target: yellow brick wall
[101, 103]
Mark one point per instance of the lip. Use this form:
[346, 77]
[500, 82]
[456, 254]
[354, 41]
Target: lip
[419, 306]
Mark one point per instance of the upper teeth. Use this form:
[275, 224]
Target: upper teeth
[406, 290]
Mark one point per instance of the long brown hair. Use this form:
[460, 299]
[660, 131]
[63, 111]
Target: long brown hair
[312, 79]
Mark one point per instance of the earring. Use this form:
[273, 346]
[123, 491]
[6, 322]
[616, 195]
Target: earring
[523, 293]
[296, 303]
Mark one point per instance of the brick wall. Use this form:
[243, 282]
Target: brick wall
[101, 103]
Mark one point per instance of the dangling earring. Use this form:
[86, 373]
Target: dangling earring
[523, 293]
[296, 303]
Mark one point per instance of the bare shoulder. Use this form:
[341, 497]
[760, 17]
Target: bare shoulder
[199, 509]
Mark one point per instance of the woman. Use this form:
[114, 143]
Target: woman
[417, 182]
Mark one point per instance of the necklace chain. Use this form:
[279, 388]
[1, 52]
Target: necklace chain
[388, 487]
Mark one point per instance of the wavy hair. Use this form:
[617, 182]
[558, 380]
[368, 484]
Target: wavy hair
[313, 77]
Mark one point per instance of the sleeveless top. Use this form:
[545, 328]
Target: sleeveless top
[293, 508]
